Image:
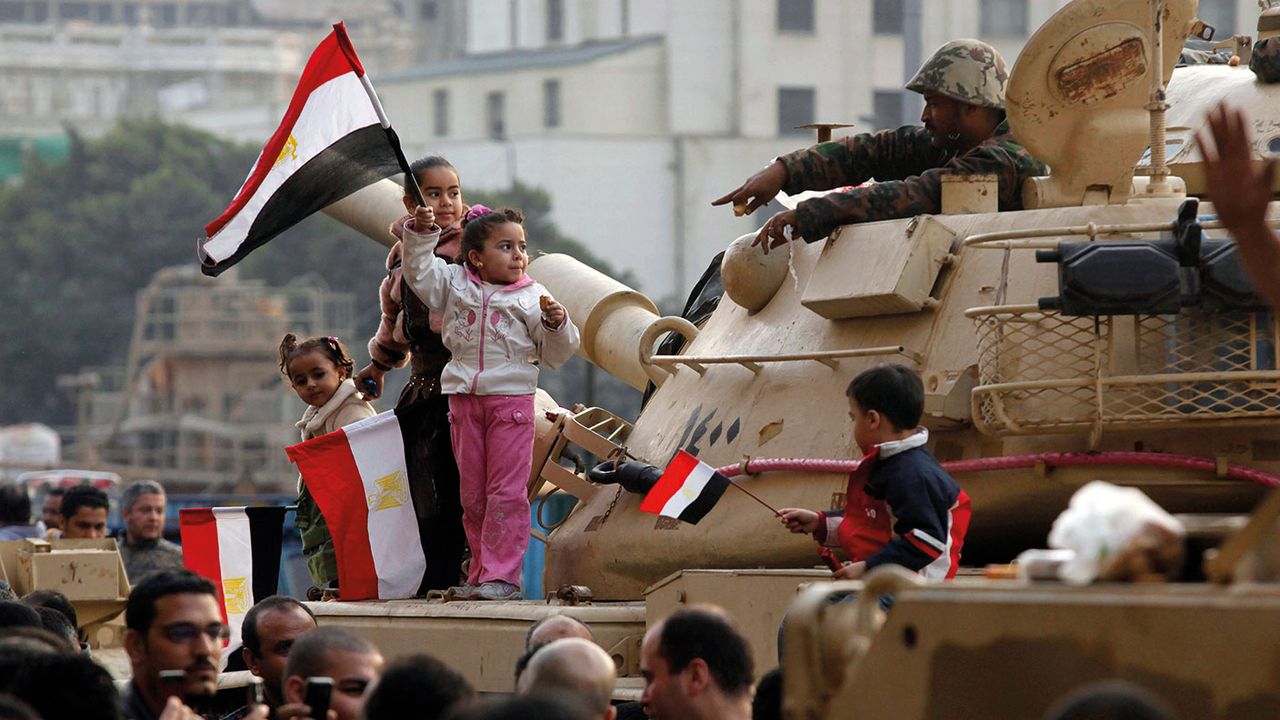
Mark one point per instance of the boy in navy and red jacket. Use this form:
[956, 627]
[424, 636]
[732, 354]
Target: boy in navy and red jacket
[901, 507]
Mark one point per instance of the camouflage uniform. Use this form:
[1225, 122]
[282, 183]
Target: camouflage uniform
[909, 170]
[147, 556]
[906, 164]
[1265, 61]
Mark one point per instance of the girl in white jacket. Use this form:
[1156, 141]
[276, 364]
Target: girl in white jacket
[498, 324]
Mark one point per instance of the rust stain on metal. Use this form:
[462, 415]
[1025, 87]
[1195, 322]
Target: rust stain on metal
[1105, 74]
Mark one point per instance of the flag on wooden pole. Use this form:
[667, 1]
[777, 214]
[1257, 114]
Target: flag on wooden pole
[687, 490]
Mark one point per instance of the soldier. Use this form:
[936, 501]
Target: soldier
[965, 132]
[142, 544]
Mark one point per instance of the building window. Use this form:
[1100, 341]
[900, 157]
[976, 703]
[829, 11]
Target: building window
[495, 106]
[1221, 14]
[795, 16]
[428, 9]
[13, 11]
[440, 109]
[73, 11]
[1003, 18]
[887, 105]
[551, 103]
[555, 21]
[887, 17]
[795, 107]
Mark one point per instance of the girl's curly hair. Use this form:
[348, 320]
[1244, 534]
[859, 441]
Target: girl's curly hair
[331, 346]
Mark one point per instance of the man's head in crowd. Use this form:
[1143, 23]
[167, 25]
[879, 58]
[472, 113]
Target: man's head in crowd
[51, 508]
[55, 682]
[55, 600]
[15, 505]
[269, 630]
[575, 667]
[696, 663]
[173, 623]
[555, 627]
[142, 509]
[523, 707]
[16, 614]
[58, 624]
[417, 686]
[352, 662]
[84, 513]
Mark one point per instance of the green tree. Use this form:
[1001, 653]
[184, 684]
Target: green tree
[83, 236]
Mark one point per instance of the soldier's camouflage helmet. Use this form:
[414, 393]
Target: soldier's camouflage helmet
[970, 71]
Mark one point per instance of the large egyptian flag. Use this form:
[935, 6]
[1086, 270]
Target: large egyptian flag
[359, 479]
[687, 490]
[238, 549]
[334, 140]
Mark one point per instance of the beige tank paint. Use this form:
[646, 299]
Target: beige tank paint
[805, 400]
[992, 649]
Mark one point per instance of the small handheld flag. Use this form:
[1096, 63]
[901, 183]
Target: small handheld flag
[333, 140]
[687, 490]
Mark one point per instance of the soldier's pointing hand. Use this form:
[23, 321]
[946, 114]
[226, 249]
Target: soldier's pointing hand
[758, 190]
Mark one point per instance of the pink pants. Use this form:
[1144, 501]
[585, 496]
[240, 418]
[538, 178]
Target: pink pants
[493, 443]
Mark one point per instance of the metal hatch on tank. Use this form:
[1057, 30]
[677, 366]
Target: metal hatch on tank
[1025, 401]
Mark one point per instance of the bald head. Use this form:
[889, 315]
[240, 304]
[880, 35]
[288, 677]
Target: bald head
[575, 666]
[556, 627]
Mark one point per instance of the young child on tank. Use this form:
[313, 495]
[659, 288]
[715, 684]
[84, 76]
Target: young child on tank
[499, 324]
[409, 334]
[319, 371]
[901, 507]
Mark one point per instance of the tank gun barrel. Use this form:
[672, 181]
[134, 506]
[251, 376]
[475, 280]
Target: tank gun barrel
[611, 317]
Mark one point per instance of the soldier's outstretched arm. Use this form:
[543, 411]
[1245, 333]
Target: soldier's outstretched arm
[757, 191]
[1241, 193]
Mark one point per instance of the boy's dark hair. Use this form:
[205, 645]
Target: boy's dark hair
[309, 656]
[82, 496]
[421, 165]
[477, 230]
[140, 611]
[249, 626]
[15, 504]
[767, 703]
[706, 633]
[894, 391]
[55, 600]
[416, 686]
[331, 346]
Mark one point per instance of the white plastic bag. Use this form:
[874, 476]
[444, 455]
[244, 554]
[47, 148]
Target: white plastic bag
[1104, 521]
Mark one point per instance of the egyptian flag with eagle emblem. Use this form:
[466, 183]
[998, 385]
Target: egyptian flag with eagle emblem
[359, 479]
[238, 550]
[334, 139]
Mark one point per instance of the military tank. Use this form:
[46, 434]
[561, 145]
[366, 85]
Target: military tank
[1107, 331]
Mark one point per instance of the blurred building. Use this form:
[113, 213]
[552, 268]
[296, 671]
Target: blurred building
[635, 114]
[200, 403]
[229, 66]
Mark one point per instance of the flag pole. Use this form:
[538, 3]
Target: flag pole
[411, 182]
[754, 497]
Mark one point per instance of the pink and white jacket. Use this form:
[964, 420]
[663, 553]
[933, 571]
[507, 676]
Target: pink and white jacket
[495, 332]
